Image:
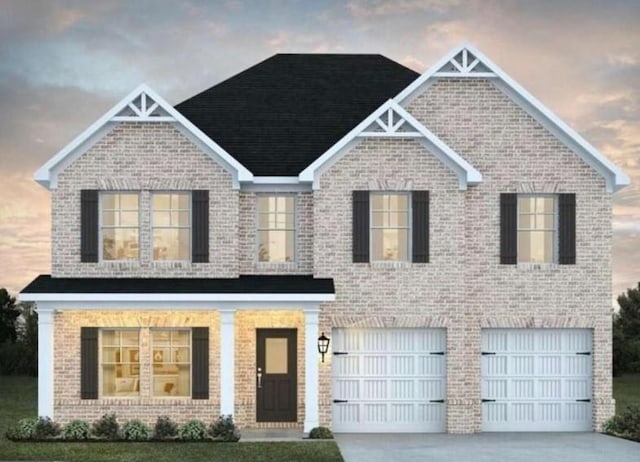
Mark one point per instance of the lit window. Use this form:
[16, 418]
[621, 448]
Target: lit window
[536, 228]
[119, 226]
[171, 358]
[120, 362]
[171, 219]
[390, 226]
[276, 228]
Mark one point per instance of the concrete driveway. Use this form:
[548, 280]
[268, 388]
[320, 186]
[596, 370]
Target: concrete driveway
[490, 447]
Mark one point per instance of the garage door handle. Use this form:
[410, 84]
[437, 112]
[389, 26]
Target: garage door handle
[439, 353]
[486, 353]
[436, 401]
[583, 400]
[584, 353]
[339, 401]
[340, 353]
[488, 400]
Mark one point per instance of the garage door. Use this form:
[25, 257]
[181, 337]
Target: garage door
[536, 380]
[389, 380]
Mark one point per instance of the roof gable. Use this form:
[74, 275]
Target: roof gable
[141, 105]
[392, 121]
[467, 61]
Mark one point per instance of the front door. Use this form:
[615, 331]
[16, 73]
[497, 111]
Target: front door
[276, 375]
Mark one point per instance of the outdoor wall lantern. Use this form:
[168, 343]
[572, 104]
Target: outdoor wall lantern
[323, 345]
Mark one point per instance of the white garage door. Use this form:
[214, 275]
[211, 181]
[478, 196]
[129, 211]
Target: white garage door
[389, 380]
[536, 380]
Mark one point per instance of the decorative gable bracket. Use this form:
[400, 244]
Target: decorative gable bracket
[464, 64]
[390, 124]
[143, 108]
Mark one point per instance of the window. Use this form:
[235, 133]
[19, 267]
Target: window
[276, 228]
[171, 220]
[171, 358]
[537, 225]
[120, 362]
[119, 226]
[390, 226]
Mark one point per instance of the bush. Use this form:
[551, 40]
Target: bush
[135, 430]
[193, 430]
[76, 430]
[46, 428]
[17, 359]
[320, 433]
[165, 428]
[107, 427]
[223, 429]
[23, 429]
[626, 425]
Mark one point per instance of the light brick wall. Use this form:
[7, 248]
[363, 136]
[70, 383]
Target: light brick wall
[249, 263]
[464, 288]
[67, 402]
[145, 157]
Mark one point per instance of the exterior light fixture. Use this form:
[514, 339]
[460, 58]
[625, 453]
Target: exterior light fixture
[323, 345]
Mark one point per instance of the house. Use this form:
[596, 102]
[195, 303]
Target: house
[447, 233]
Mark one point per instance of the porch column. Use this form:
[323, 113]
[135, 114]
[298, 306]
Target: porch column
[311, 414]
[45, 362]
[227, 362]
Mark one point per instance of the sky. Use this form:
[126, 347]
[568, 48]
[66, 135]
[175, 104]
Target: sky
[65, 63]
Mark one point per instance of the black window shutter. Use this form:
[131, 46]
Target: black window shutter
[200, 366]
[567, 229]
[420, 244]
[508, 229]
[200, 226]
[89, 363]
[360, 236]
[89, 225]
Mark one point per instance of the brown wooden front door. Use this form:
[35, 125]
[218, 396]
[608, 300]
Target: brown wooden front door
[276, 375]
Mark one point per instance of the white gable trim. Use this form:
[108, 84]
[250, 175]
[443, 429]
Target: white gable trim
[471, 63]
[392, 121]
[141, 105]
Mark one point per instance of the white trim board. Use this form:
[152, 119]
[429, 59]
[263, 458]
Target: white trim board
[145, 106]
[466, 61]
[392, 121]
[173, 297]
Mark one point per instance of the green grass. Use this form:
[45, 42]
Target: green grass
[18, 400]
[626, 391]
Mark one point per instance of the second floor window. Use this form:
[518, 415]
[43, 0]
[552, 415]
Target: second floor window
[171, 221]
[276, 228]
[390, 226]
[119, 226]
[537, 228]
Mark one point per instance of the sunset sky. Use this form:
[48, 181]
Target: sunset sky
[64, 63]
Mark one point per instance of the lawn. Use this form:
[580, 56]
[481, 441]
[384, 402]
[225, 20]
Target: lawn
[18, 399]
[626, 391]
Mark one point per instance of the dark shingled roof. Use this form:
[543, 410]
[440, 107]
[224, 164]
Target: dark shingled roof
[285, 284]
[280, 115]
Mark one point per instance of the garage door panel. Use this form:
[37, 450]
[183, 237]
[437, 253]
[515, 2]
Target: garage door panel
[389, 381]
[536, 380]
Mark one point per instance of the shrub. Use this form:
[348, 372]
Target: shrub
[23, 429]
[16, 359]
[76, 430]
[193, 430]
[46, 428]
[106, 427]
[626, 425]
[320, 433]
[223, 429]
[165, 428]
[136, 430]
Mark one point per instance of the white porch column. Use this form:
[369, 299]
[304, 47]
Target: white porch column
[45, 362]
[311, 410]
[227, 362]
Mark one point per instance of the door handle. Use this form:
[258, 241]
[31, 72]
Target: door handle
[259, 377]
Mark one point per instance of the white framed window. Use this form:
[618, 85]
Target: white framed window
[119, 226]
[171, 225]
[537, 228]
[276, 228]
[171, 360]
[119, 362]
[390, 226]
